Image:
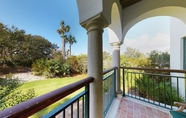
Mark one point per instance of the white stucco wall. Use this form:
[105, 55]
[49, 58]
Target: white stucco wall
[177, 31]
[149, 8]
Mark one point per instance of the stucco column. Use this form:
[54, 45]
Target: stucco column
[116, 63]
[95, 67]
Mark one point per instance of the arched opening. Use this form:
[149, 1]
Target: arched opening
[172, 11]
[115, 28]
[177, 30]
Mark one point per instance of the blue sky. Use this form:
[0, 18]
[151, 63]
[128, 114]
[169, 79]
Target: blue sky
[42, 17]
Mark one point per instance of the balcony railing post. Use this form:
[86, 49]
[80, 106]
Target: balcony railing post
[115, 70]
[123, 81]
[87, 102]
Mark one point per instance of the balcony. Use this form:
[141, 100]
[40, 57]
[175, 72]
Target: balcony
[141, 97]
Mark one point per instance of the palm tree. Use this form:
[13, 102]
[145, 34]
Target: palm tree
[70, 40]
[62, 30]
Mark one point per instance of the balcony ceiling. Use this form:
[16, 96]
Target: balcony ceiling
[126, 3]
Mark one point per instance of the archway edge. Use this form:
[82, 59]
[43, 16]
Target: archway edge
[115, 28]
[95, 9]
[173, 11]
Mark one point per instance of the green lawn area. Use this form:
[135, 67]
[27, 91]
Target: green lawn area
[47, 85]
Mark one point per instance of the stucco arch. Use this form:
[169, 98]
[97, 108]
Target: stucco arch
[176, 12]
[115, 28]
[173, 11]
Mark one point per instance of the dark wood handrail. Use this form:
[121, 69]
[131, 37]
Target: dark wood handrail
[32, 106]
[108, 70]
[155, 69]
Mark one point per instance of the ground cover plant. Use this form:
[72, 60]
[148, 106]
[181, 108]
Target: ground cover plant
[10, 95]
[44, 86]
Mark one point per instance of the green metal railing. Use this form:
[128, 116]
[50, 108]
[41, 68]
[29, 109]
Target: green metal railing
[79, 105]
[160, 87]
[76, 107]
[109, 88]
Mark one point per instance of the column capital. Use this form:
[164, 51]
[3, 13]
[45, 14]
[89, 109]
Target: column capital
[116, 44]
[94, 25]
[97, 20]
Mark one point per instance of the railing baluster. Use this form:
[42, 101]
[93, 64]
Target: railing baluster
[171, 92]
[157, 87]
[114, 80]
[87, 101]
[123, 82]
[148, 87]
[78, 108]
[83, 105]
[64, 114]
[159, 91]
[164, 91]
[72, 111]
[177, 89]
[135, 85]
[153, 88]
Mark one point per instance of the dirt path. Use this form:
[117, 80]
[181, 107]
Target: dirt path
[22, 73]
[27, 76]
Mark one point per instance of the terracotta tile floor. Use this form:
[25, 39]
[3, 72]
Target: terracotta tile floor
[130, 109]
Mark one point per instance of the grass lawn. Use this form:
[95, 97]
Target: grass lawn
[44, 86]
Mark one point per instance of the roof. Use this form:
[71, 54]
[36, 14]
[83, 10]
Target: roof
[126, 3]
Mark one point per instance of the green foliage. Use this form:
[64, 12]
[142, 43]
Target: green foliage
[70, 40]
[9, 95]
[50, 68]
[74, 64]
[82, 61]
[39, 67]
[62, 30]
[107, 60]
[154, 59]
[78, 64]
[44, 86]
[20, 49]
[159, 59]
[157, 90]
[134, 58]
[132, 53]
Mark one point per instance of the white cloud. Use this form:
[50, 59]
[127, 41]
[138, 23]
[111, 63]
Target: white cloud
[160, 42]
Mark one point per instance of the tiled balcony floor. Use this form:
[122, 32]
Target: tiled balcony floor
[131, 108]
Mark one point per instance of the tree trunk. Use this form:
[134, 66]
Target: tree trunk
[63, 47]
[70, 49]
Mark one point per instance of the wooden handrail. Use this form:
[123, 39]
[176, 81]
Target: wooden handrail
[108, 70]
[155, 69]
[34, 105]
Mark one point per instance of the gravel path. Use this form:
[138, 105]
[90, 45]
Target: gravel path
[27, 76]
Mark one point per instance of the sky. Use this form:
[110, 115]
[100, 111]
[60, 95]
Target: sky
[42, 17]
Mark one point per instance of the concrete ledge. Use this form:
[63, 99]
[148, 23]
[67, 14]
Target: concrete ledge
[114, 107]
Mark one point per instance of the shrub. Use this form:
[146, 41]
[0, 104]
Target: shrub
[73, 63]
[39, 67]
[9, 95]
[157, 90]
[51, 68]
[82, 61]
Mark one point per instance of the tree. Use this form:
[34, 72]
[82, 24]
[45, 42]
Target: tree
[70, 40]
[20, 49]
[62, 30]
[133, 57]
[159, 59]
[4, 34]
[107, 60]
[132, 53]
